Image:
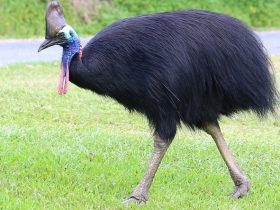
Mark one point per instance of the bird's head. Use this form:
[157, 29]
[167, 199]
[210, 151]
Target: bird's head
[58, 32]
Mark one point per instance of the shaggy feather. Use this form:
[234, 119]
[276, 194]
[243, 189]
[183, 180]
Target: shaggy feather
[186, 66]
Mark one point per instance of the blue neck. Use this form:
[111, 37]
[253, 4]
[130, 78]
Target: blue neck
[69, 50]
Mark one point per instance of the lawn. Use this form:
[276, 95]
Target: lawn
[83, 151]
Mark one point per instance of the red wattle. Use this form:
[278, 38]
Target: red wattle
[81, 52]
[61, 81]
[66, 80]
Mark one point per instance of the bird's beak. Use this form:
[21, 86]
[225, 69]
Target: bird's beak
[58, 40]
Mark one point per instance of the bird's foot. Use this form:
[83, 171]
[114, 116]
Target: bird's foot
[137, 199]
[241, 190]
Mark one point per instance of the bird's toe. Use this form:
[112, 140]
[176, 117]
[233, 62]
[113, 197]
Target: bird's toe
[241, 190]
[139, 200]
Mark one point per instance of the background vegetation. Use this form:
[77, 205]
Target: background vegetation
[83, 151]
[25, 18]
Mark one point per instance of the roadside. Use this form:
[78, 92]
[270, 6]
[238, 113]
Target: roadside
[271, 41]
[25, 50]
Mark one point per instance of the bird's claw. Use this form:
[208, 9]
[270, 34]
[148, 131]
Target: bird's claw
[240, 190]
[139, 200]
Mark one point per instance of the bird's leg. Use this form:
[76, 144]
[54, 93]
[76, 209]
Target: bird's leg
[140, 194]
[242, 185]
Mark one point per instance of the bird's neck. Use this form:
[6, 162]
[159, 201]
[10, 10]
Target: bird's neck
[69, 50]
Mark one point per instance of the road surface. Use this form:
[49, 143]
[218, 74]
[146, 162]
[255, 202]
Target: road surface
[25, 51]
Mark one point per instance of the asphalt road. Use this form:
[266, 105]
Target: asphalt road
[25, 51]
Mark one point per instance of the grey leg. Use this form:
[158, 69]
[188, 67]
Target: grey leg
[140, 194]
[242, 185]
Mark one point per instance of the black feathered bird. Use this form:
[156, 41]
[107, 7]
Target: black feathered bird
[186, 67]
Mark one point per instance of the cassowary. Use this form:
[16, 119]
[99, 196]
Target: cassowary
[185, 67]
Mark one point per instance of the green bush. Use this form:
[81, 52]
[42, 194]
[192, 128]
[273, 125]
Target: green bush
[25, 18]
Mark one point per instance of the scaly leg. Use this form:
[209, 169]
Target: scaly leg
[140, 194]
[242, 186]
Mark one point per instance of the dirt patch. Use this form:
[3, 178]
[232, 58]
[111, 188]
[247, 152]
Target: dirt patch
[87, 8]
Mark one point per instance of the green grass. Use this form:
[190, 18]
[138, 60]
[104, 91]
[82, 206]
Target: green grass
[25, 18]
[83, 151]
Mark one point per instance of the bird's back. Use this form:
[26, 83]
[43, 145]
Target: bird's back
[187, 65]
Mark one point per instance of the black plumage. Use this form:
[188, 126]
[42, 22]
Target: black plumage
[186, 66]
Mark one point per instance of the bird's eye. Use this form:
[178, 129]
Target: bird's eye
[60, 35]
[71, 33]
